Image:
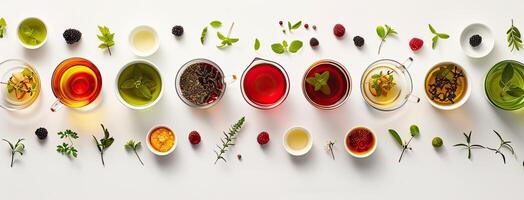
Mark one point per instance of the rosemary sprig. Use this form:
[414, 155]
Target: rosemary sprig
[104, 143]
[132, 145]
[18, 147]
[468, 144]
[330, 146]
[503, 144]
[228, 140]
[414, 131]
[514, 40]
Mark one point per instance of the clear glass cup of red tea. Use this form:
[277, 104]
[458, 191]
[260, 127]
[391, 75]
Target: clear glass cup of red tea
[339, 83]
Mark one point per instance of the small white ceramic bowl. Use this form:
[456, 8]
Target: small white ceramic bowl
[147, 105]
[371, 151]
[132, 35]
[485, 47]
[31, 46]
[153, 150]
[456, 104]
[301, 152]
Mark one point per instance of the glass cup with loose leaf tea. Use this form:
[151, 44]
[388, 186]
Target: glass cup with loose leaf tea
[386, 85]
[447, 86]
[326, 84]
[200, 83]
[20, 84]
[504, 85]
[139, 84]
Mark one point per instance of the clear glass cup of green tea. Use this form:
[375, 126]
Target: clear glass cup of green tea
[139, 84]
[20, 84]
[504, 85]
[447, 86]
[386, 84]
[76, 83]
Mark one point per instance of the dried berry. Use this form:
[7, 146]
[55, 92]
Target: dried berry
[72, 36]
[239, 157]
[41, 133]
[177, 30]
[280, 23]
[359, 41]
[315, 27]
[313, 42]
[263, 138]
[306, 26]
[475, 40]
[415, 44]
[339, 30]
[194, 137]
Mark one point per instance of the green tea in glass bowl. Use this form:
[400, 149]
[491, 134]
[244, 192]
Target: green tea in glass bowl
[504, 85]
[139, 84]
[32, 33]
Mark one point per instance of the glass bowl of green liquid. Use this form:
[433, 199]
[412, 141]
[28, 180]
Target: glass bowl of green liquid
[504, 85]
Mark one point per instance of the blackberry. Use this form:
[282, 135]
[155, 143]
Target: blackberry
[475, 40]
[41, 133]
[359, 41]
[313, 42]
[72, 36]
[177, 30]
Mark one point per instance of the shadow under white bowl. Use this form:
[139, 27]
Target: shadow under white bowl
[32, 46]
[294, 152]
[456, 104]
[153, 150]
[485, 47]
[131, 38]
[124, 102]
[371, 151]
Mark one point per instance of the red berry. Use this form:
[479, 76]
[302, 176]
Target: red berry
[415, 44]
[306, 26]
[339, 30]
[281, 23]
[263, 138]
[194, 137]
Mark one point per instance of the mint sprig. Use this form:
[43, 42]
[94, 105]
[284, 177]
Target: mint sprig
[383, 32]
[283, 47]
[226, 40]
[106, 37]
[320, 82]
[509, 87]
[437, 36]
[293, 26]
[139, 84]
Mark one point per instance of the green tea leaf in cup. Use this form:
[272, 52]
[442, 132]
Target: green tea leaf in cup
[144, 92]
[515, 91]
[507, 74]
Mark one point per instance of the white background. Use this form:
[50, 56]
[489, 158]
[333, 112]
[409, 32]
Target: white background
[265, 172]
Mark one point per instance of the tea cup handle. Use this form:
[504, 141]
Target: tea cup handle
[407, 62]
[230, 79]
[56, 106]
[413, 98]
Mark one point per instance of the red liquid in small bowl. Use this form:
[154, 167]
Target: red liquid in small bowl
[338, 82]
[360, 141]
[265, 84]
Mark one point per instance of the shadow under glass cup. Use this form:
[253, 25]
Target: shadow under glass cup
[200, 83]
[76, 83]
[339, 83]
[386, 84]
[264, 84]
[20, 84]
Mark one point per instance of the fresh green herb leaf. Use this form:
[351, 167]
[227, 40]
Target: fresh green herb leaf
[228, 140]
[226, 40]
[383, 32]
[133, 145]
[405, 145]
[104, 143]
[3, 27]
[396, 136]
[278, 48]
[515, 91]
[216, 24]
[67, 149]
[514, 40]
[257, 44]
[18, 147]
[507, 74]
[203, 35]
[413, 129]
[437, 36]
[106, 37]
[320, 82]
[296, 25]
[295, 46]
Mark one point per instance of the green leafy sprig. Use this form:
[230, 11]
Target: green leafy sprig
[104, 143]
[283, 47]
[226, 40]
[514, 40]
[139, 84]
[320, 82]
[508, 86]
[18, 147]
[3, 27]
[437, 36]
[414, 131]
[106, 37]
[383, 32]
[504, 144]
[468, 144]
[294, 26]
[67, 149]
[203, 35]
[228, 140]
[133, 145]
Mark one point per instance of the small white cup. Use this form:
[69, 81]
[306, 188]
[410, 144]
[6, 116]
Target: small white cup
[371, 151]
[133, 106]
[31, 46]
[300, 152]
[153, 150]
[132, 36]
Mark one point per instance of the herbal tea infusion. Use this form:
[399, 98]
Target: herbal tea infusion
[446, 84]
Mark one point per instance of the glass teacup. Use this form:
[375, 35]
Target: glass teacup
[20, 84]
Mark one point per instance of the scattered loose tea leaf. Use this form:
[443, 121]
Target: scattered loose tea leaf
[216, 24]
[3, 27]
[257, 44]
[203, 35]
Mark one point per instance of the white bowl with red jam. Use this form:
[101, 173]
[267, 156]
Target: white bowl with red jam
[360, 142]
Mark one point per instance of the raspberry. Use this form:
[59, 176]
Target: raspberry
[194, 137]
[339, 30]
[313, 42]
[415, 44]
[263, 138]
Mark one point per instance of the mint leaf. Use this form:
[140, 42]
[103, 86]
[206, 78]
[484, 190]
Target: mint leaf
[413, 129]
[106, 38]
[216, 24]
[396, 136]
[143, 91]
[515, 91]
[295, 46]
[296, 25]
[257, 44]
[320, 82]
[381, 32]
[507, 74]
[203, 35]
[128, 84]
[437, 36]
[278, 48]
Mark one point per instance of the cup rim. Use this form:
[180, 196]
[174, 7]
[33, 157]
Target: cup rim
[153, 150]
[370, 152]
[136, 51]
[401, 66]
[346, 74]
[486, 88]
[259, 61]
[179, 75]
[297, 152]
[457, 104]
[149, 105]
[31, 46]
